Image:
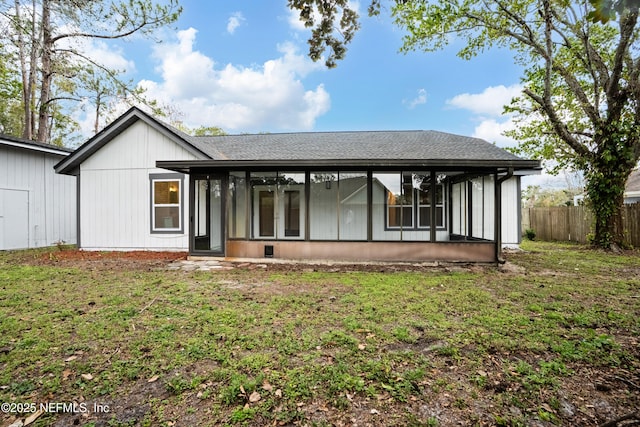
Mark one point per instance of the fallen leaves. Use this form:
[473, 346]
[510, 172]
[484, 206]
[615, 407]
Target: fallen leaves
[28, 421]
[33, 417]
[255, 396]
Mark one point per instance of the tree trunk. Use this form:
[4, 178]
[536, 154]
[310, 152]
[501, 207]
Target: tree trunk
[47, 73]
[96, 123]
[609, 229]
[27, 54]
[30, 102]
[606, 180]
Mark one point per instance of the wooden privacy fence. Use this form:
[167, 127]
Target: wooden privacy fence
[574, 223]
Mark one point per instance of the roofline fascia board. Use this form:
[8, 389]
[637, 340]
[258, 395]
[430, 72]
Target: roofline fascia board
[187, 165]
[70, 164]
[33, 147]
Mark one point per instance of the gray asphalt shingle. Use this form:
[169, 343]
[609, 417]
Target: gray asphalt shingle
[410, 145]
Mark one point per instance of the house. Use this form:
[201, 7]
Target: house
[37, 206]
[632, 189]
[356, 196]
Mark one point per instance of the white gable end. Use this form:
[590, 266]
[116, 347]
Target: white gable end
[138, 147]
[116, 196]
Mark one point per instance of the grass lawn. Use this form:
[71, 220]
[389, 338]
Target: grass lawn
[554, 342]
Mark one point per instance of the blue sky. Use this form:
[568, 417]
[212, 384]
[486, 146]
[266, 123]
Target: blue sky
[243, 66]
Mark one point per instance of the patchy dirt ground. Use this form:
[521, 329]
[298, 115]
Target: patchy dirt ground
[151, 260]
[116, 260]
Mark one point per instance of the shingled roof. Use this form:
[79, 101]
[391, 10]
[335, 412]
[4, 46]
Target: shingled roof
[376, 149]
[374, 145]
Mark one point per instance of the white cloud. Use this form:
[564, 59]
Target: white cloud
[293, 18]
[488, 108]
[109, 55]
[263, 97]
[420, 99]
[492, 130]
[490, 102]
[492, 123]
[235, 20]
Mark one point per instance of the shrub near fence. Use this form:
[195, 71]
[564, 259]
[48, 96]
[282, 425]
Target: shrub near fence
[573, 223]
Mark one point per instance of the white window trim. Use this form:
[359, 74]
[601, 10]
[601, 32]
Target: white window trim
[180, 205]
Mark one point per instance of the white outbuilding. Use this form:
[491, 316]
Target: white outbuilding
[37, 206]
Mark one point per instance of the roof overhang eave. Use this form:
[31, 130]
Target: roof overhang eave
[29, 145]
[187, 166]
[71, 164]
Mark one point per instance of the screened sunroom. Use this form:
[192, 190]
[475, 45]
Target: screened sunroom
[353, 196]
[351, 215]
[360, 206]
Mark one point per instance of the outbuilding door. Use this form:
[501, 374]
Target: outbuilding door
[207, 221]
[14, 219]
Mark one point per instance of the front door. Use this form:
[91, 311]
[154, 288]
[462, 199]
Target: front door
[207, 220]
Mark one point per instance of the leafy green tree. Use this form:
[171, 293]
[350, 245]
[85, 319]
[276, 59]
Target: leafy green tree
[47, 37]
[10, 89]
[606, 10]
[534, 196]
[209, 131]
[580, 105]
[102, 89]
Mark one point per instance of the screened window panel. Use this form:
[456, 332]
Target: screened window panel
[237, 205]
[323, 206]
[353, 189]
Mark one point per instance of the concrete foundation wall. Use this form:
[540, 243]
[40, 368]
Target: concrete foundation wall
[366, 251]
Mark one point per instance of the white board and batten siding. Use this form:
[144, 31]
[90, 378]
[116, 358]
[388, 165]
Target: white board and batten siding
[37, 206]
[511, 214]
[115, 190]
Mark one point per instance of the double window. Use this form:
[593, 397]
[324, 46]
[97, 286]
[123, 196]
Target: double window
[409, 200]
[166, 203]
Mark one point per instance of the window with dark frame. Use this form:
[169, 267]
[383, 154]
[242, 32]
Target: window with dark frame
[400, 205]
[415, 203]
[425, 203]
[166, 209]
[267, 214]
[292, 213]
